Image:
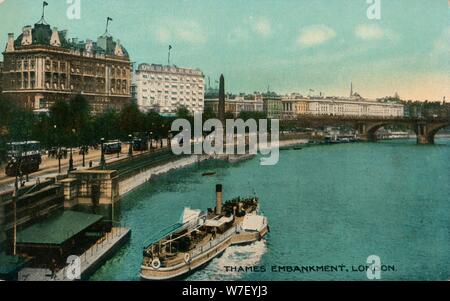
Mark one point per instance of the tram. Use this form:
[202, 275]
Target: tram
[112, 147]
[23, 158]
[140, 144]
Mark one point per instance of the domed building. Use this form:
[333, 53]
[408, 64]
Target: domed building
[42, 65]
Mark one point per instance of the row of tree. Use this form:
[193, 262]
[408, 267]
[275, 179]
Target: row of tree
[72, 123]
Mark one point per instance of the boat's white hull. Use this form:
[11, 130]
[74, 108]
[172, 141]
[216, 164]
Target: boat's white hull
[177, 271]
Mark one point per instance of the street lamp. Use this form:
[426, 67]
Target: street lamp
[169, 139]
[150, 138]
[83, 152]
[130, 150]
[14, 203]
[58, 153]
[102, 157]
[71, 157]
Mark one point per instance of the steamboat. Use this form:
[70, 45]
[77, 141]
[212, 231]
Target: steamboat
[201, 236]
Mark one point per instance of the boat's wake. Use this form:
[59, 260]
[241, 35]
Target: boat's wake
[233, 258]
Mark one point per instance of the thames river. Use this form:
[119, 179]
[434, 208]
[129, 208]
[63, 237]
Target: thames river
[329, 208]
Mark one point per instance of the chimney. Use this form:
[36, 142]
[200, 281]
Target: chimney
[10, 44]
[27, 35]
[219, 199]
[54, 40]
[118, 49]
[89, 46]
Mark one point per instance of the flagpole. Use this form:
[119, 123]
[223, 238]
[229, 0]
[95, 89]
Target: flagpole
[107, 25]
[44, 4]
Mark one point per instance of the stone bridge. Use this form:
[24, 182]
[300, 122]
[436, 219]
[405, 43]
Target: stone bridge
[425, 128]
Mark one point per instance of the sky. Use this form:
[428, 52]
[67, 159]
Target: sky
[285, 45]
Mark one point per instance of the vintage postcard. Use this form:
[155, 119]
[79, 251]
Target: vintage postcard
[213, 140]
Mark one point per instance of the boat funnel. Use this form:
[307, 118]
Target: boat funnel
[219, 199]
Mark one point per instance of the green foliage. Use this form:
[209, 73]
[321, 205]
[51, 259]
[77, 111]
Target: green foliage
[209, 114]
[252, 115]
[183, 113]
[106, 125]
[131, 120]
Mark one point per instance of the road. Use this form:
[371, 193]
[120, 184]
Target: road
[49, 167]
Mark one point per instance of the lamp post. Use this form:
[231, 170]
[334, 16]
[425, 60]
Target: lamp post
[71, 156]
[102, 157]
[150, 135]
[83, 152]
[58, 151]
[130, 150]
[169, 139]
[14, 201]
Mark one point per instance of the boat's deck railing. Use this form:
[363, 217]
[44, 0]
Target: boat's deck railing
[168, 231]
[230, 232]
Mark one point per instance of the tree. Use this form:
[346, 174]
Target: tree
[183, 113]
[209, 114]
[60, 118]
[80, 119]
[22, 125]
[7, 108]
[106, 125]
[132, 120]
[152, 121]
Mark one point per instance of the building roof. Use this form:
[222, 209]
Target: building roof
[58, 229]
[42, 33]
[171, 69]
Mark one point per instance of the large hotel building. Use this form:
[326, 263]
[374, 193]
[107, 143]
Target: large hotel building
[167, 88]
[42, 66]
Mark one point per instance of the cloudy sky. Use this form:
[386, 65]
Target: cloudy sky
[291, 45]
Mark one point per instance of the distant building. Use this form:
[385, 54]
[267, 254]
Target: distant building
[133, 88]
[1, 77]
[273, 106]
[295, 105]
[167, 88]
[42, 66]
[237, 104]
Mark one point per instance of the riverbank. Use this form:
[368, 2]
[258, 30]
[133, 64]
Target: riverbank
[133, 182]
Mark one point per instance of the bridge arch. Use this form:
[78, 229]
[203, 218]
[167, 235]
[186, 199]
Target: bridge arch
[426, 132]
[369, 130]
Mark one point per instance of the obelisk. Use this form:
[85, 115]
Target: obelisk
[221, 113]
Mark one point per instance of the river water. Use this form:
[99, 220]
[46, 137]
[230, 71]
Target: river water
[331, 205]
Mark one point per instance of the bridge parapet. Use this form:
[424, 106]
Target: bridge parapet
[367, 126]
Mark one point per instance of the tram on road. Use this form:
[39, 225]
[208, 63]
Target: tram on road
[140, 144]
[23, 158]
[112, 147]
